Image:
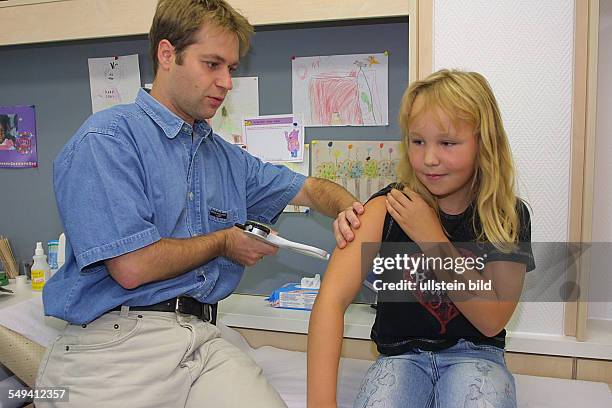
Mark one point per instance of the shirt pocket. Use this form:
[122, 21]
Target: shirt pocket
[219, 219]
[93, 269]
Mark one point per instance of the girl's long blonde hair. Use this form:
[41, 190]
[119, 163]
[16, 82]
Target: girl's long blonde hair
[467, 96]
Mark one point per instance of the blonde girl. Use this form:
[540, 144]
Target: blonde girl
[439, 325]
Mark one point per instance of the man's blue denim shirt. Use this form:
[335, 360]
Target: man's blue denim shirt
[135, 173]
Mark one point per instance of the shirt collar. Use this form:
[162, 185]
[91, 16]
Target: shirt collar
[167, 120]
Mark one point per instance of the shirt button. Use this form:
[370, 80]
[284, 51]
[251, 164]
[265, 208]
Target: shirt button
[191, 196]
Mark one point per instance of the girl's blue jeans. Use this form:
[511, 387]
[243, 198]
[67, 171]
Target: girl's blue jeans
[465, 375]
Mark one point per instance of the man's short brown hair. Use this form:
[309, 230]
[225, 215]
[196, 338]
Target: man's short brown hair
[178, 21]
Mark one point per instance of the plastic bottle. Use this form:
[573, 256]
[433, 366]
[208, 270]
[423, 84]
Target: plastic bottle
[40, 267]
[61, 251]
[52, 259]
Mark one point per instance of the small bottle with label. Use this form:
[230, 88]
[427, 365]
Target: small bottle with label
[40, 268]
[52, 258]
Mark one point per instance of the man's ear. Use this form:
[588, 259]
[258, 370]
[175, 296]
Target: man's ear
[165, 54]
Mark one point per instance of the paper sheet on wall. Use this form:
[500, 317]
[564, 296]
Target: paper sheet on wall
[242, 101]
[113, 81]
[302, 168]
[275, 137]
[361, 167]
[341, 90]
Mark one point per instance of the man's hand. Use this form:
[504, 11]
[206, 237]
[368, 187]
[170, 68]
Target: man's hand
[243, 249]
[346, 222]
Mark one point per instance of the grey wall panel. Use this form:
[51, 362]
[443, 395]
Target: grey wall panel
[54, 78]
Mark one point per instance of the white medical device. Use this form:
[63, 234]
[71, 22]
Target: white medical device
[264, 234]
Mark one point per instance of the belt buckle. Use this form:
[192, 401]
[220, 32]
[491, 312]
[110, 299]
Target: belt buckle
[204, 312]
[177, 305]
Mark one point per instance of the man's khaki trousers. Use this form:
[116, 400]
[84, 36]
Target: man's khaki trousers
[152, 359]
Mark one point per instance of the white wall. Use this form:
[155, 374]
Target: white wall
[525, 49]
[601, 279]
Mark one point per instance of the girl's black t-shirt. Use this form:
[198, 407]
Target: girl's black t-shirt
[429, 320]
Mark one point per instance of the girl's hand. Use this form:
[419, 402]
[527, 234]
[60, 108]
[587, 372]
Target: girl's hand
[416, 218]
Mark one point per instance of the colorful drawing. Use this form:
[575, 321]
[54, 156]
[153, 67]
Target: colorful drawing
[356, 173]
[241, 101]
[344, 171]
[18, 137]
[274, 138]
[293, 142]
[371, 172]
[326, 169]
[359, 166]
[341, 90]
[387, 166]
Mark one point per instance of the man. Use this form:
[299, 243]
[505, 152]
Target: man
[149, 196]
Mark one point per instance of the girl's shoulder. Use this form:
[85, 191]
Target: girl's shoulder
[522, 209]
[385, 191]
[524, 219]
[376, 204]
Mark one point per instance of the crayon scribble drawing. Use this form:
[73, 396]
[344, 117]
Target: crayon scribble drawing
[113, 81]
[341, 90]
[361, 167]
[241, 101]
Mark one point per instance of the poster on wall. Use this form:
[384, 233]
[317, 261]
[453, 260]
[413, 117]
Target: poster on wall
[341, 90]
[241, 101]
[18, 137]
[275, 137]
[361, 167]
[113, 81]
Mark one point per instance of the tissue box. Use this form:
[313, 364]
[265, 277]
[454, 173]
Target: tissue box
[293, 296]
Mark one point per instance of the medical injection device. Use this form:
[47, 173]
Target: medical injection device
[264, 234]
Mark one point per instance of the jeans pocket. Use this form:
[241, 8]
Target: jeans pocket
[192, 335]
[103, 333]
[484, 347]
[40, 375]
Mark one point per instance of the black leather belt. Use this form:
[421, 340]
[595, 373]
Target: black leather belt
[181, 304]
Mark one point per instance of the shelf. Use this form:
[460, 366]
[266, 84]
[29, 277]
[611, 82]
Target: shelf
[253, 312]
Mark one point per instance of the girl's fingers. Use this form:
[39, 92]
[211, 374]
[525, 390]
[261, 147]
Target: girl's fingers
[391, 210]
[408, 191]
[393, 202]
[395, 197]
[412, 195]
